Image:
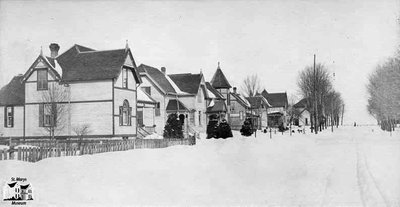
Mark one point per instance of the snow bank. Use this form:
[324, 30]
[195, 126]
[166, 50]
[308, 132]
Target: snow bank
[303, 169]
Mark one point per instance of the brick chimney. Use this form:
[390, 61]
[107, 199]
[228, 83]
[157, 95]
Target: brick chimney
[54, 47]
[163, 69]
[234, 90]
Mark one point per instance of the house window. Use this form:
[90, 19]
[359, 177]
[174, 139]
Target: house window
[42, 80]
[241, 115]
[47, 115]
[147, 89]
[306, 121]
[125, 114]
[191, 118]
[157, 112]
[140, 117]
[9, 116]
[124, 78]
[199, 97]
[199, 117]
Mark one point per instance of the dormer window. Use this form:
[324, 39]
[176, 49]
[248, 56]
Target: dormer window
[42, 79]
[124, 78]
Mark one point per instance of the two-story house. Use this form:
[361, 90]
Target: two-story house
[277, 113]
[303, 117]
[81, 86]
[157, 84]
[239, 109]
[259, 106]
[195, 98]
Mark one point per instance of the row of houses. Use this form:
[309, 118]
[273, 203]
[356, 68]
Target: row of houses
[109, 95]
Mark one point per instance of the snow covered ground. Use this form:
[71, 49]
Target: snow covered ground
[354, 166]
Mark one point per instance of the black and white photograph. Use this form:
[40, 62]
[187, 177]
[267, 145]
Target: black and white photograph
[200, 103]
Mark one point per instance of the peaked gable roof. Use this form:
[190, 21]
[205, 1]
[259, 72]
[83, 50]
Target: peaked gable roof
[241, 100]
[301, 104]
[219, 80]
[80, 63]
[187, 82]
[158, 76]
[216, 93]
[257, 101]
[13, 93]
[276, 99]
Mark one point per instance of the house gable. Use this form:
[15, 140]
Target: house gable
[39, 64]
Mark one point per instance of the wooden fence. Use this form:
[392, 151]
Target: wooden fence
[38, 152]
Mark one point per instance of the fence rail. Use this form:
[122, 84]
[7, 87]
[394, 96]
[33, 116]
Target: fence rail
[34, 153]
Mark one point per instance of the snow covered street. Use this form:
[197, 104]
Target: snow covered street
[354, 166]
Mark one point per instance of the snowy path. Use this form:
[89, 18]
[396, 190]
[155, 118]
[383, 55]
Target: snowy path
[350, 167]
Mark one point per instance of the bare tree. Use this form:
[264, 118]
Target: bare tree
[81, 130]
[384, 94]
[53, 111]
[251, 85]
[315, 85]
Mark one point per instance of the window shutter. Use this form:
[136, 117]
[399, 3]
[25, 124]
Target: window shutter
[5, 116]
[12, 116]
[130, 116]
[120, 116]
[54, 114]
[41, 113]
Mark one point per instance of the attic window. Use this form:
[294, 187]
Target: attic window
[42, 80]
[124, 78]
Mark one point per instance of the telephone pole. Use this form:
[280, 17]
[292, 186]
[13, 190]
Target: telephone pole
[315, 101]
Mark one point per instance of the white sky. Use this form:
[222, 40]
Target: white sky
[274, 39]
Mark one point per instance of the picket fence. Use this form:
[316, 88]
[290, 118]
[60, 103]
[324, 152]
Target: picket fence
[42, 151]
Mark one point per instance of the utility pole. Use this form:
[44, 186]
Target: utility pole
[315, 100]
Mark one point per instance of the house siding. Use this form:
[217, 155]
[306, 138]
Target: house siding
[158, 96]
[120, 95]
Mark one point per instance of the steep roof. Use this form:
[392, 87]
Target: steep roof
[301, 104]
[241, 100]
[219, 80]
[80, 63]
[216, 93]
[13, 93]
[175, 105]
[216, 106]
[276, 99]
[158, 76]
[187, 82]
[256, 101]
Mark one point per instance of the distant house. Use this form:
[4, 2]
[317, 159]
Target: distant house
[239, 109]
[259, 107]
[167, 95]
[277, 113]
[98, 88]
[221, 85]
[195, 98]
[304, 115]
[216, 104]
